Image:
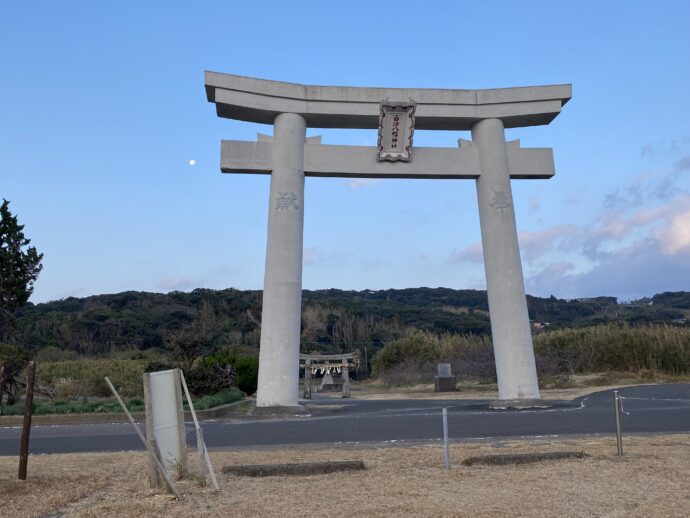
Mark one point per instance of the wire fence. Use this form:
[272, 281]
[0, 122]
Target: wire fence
[619, 410]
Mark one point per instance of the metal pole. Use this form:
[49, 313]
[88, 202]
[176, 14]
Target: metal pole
[446, 453]
[26, 428]
[619, 435]
[2, 383]
[148, 447]
[200, 444]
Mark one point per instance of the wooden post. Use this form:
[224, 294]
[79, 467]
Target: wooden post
[307, 379]
[26, 428]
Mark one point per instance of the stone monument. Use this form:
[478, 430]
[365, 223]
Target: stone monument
[288, 156]
[444, 381]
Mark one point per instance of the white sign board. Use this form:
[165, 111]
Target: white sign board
[165, 417]
[396, 125]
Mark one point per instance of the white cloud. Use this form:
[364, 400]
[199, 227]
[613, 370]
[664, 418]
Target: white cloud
[674, 236]
[640, 269]
[663, 146]
[471, 254]
[535, 244]
[626, 250]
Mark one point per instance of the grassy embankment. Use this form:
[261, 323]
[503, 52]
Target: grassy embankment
[658, 352]
[80, 387]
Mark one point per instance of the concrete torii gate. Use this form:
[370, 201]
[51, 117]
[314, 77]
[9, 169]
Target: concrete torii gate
[288, 156]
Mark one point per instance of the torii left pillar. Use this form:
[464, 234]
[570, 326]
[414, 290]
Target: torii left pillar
[282, 296]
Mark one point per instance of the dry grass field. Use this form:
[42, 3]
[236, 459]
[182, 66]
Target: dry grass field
[652, 479]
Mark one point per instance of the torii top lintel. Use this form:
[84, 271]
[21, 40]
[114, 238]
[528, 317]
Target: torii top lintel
[261, 100]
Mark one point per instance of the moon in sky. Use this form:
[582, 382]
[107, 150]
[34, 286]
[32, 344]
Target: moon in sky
[192, 162]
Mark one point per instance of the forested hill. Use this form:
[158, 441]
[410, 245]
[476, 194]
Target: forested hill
[332, 320]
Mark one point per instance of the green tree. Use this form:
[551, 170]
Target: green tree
[192, 340]
[14, 359]
[20, 265]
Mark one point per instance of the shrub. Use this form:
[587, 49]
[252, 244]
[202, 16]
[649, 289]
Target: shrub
[158, 366]
[418, 347]
[409, 372]
[244, 369]
[76, 407]
[469, 355]
[204, 379]
[55, 354]
[219, 398]
[89, 374]
[247, 374]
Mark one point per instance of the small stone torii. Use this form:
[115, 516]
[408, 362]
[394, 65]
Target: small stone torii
[288, 156]
[339, 363]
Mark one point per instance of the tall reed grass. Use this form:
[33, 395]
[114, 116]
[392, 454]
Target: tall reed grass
[660, 349]
[85, 377]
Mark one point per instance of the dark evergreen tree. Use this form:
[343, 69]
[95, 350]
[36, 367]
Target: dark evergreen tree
[20, 265]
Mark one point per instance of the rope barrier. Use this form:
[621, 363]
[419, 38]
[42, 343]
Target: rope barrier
[652, 399]
[621, 398]
[619, 409]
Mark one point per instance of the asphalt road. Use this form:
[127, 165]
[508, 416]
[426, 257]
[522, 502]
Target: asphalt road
[648, 409]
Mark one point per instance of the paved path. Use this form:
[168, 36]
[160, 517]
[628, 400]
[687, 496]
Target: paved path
[651, 408]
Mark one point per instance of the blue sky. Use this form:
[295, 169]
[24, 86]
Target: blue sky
[102, 106]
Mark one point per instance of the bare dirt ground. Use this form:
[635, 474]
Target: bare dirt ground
[650, 480]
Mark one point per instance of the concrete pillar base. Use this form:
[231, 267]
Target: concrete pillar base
[279, 411]
[445, 383]
[518, 404]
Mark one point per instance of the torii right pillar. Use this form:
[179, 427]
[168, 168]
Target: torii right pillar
[512, 338]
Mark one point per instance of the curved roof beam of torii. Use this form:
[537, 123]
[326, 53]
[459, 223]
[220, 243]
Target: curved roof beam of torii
[260, 100]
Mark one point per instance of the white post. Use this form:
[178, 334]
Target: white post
[512, 337]
[167, 417]
[282, 296]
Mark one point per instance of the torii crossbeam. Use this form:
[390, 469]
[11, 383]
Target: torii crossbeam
[289, 156]
[327, 161]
